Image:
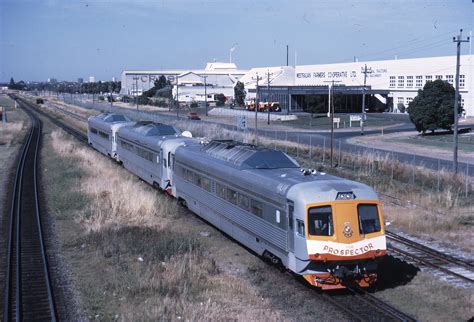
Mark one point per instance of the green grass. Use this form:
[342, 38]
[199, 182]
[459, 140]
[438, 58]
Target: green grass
[445, 142]
[322, 122]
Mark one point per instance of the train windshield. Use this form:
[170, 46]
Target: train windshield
[320, 221]
[368, 218]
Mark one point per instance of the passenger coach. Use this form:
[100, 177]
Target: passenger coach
[146, 149]
[325, 228]
[102, 130]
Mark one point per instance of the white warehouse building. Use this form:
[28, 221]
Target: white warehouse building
[220, 78]
[389, 82]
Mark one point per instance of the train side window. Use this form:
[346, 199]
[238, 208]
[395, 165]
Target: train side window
[93, 131]
[244, 202]
[320, 221]
[206, 184]
[231, 196]
[256, 208]
[197, 180]
[368, 218]
[291, 209]
[220, 190]
[300, 227]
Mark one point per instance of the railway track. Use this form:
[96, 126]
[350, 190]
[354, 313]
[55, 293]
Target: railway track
[363, 306]
[453, 267]
[28, 289]
[357, 303]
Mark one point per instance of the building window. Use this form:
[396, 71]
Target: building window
[462, 81]
[419, 81]
[439, 77]
[462, 102]
[408, 100]
[449, 79]
[428, 78]
[392, 81]
[409, 81]
[400, 100]
[401, 81]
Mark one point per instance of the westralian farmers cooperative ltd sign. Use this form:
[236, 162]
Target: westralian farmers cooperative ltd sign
[341, 74]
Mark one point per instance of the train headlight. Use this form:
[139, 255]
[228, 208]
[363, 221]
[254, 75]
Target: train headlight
[345, 195]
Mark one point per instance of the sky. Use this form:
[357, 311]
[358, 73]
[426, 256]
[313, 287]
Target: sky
[68, 39]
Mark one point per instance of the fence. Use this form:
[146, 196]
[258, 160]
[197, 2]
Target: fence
[378, 169]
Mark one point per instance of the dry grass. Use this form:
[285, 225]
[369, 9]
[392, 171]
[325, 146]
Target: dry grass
[137, 256]
[429, 202]
[9, 132]
[117, 201]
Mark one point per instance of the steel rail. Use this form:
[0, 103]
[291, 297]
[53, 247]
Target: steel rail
[432, 252]
[31, 266]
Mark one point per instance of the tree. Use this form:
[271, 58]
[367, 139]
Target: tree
[161, 82]
[401, 107]
[239, 93]
[220, 98]
[433, 107]
[315, 104]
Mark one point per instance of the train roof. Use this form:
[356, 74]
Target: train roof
[148, 133]
[248, 156]
[110, 118]
[272, 182]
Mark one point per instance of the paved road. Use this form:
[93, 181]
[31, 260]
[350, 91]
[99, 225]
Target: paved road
[319, 138]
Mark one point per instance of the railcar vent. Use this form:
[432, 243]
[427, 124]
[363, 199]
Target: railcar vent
[248, 156]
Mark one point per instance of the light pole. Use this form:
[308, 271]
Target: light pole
[205, 92]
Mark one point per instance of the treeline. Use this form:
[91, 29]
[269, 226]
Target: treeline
[68, 87]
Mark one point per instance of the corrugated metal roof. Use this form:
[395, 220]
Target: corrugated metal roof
[248, 156]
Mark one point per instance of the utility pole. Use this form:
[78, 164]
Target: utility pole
[256, 103]
[268, 95]
[458, 41]
[331, 109]
[205, 91]
[136, 89]
[365, 71]
[286, 55]
[177, 97]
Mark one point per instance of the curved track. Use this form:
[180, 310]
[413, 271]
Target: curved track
[356, 302]
[421, 254]
[28, 290]
[363, 306]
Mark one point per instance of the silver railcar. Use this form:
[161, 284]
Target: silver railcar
[102, 130]
[146, 149]
[322, 227]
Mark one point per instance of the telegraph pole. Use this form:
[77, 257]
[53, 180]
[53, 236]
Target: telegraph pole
[177, 97]
[268, 95]
[256, 103]
[136, 90]
[331, 109]
[365, 71]
[205, 91]
[458, 41]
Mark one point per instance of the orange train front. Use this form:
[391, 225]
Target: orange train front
[338, 240]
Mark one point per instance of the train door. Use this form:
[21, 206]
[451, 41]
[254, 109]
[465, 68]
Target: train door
[291, 224]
